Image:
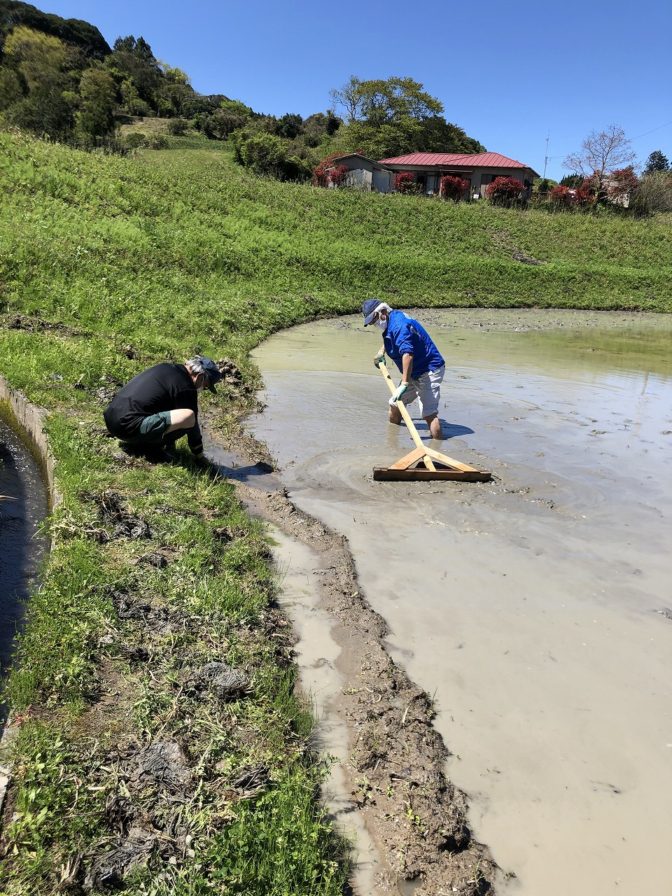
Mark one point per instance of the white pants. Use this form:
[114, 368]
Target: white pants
[426, 389]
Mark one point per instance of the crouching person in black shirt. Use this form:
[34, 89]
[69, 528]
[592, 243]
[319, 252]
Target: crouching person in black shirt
[160, 405]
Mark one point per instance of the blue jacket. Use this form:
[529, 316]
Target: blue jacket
[405, 336]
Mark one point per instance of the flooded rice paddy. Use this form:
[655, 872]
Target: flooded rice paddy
[537, 608]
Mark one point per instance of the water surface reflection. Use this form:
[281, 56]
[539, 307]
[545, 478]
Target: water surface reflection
[530, 606]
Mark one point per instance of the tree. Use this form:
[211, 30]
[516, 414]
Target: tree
[41, 62]
[98, 94]
[174, 92]
[601, 153]
[131, 100]
[231, 116]
[38, 58]
[379, 101]
[289, 126]
[571, 180]
[654, 193]
[47, 110]
[11, 89]
[132, 60]
[656, 162]
[383, 141]
[319, 126]
[392, 117]
[439, 135]
[87, 38]
[265, 153]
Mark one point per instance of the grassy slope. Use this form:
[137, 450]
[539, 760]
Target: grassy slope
[171, 252]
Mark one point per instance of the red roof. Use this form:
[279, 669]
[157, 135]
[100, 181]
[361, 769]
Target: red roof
[456, 160]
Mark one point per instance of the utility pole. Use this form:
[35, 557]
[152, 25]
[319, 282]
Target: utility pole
[546, 156]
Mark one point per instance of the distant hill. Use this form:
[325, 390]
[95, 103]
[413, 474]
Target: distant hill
[74, 31]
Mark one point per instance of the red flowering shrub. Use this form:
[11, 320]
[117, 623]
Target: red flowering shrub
[622, 184]
[452, 187]
[338, 175]
[582, 196]
[504, 191]
[322, 171]
[320, 176]
[562, 197]
[587, 192]
[404, 182]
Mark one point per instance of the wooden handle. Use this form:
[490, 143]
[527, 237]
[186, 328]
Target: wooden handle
[402, 408]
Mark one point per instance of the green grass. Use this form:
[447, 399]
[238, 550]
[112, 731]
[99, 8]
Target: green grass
[134, 260]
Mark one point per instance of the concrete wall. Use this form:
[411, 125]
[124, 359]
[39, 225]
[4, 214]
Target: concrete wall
[359, 178]
[366, 176]
[30, 419]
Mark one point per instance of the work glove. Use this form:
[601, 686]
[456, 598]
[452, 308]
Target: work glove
[398, 392]
[378, 360]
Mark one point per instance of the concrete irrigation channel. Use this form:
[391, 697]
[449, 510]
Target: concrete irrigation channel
[26, 487]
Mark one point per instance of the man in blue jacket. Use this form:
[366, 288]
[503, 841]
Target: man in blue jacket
[422, 368]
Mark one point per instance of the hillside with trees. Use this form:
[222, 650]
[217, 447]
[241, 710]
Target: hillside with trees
[60, 79]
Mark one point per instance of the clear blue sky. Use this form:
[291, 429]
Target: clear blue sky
[509, 74]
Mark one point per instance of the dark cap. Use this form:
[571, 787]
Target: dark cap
[370, 307]
[206, 366]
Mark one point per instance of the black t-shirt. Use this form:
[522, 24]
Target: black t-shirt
[164, 387]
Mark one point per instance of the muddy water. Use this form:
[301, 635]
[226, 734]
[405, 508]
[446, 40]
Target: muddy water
[537, 608]
[22, 547]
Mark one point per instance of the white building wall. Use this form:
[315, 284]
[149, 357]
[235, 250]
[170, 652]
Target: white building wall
[360, 178]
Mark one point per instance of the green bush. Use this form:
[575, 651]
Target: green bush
[653, 194]
[135, 140]
[177, 127]
[158, 141]
[140, 140]
[267, 154]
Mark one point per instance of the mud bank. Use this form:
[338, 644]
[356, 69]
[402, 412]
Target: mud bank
[393, 773]
[535, 608]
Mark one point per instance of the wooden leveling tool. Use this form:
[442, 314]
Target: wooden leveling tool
[424, 462]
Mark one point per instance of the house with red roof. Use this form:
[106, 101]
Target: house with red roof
[479, 169]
